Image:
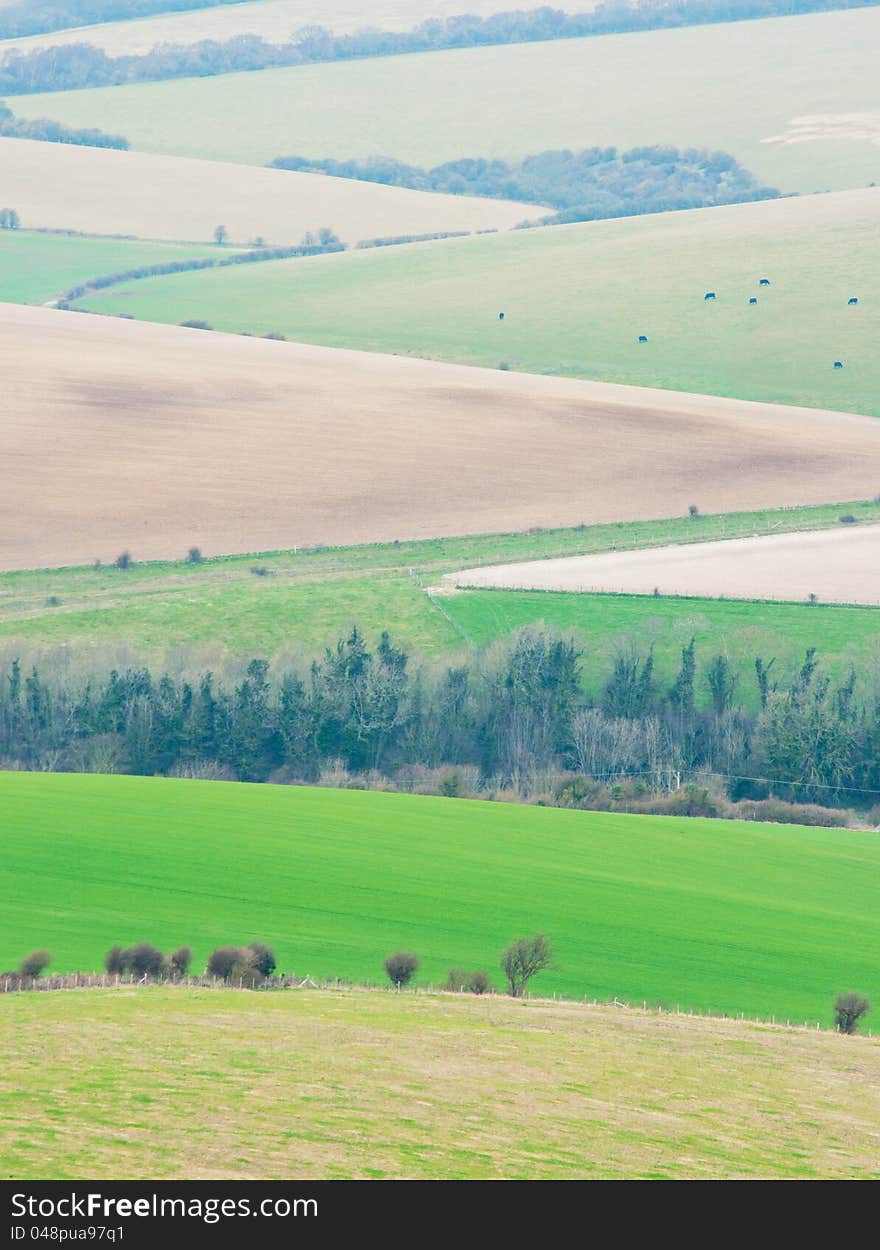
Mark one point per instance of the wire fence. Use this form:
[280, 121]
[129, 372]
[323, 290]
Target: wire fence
[290, 981]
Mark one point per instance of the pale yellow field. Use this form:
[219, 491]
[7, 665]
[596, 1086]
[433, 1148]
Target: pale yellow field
[838, 566]
[153, 438]
[104, 191]
[273, 20]
[157, 1083]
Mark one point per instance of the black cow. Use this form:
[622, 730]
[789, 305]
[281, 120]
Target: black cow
[501, 316]
[838, 364]
[853, 299]
[764, 282]
[753, 299]
[643, 338]
[709, 295]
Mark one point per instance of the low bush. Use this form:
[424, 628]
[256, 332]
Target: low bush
[401, 967]
[35, 964]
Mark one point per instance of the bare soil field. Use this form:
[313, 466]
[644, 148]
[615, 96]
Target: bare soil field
[58, 186]
[273, 20]
[838, 566]
[154, 438]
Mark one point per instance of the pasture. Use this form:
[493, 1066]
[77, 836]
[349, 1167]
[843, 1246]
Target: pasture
[36, 267]
[755, 82]
[104, 191]
[717, 915]
[199, 616]
[485, 1089]
[838, 566]
[273, 20]
[245, 445]
[576, 299]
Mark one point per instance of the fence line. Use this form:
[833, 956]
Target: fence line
[290, 981]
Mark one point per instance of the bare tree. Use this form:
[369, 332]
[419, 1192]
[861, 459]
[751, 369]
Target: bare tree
[523, 959]
[848, 1011]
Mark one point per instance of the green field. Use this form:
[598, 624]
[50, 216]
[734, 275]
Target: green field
[577, 297]
[201, 614]
[750, 80]
[313, 1085]
[716, 915]
[36, 266]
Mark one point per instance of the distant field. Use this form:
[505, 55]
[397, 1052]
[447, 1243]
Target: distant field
[36, 267]
[207, 615]
[839, 565]
[753, 81]
[239, 444]
[576, 298]
[103, 191]
[274, 20]
[716, 915]
[477, 1089]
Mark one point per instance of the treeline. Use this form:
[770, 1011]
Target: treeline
[515, 717]
[37, 17]
[312, 245]
[48, 131]
[582, 186]
[70, 66]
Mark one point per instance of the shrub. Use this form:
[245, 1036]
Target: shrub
[262, 958]
[450, 785]
[478, 983]
[53, 602]
[456, 980]
[223, 960]
[848, 1011]
[401, 967]
[194, 555]
[34, 964]
[143, 960]
[196, 325]
[849, 519]
[693, 511]
[259, 570]
[114, 961]
[180, 961]
[123, 560]
[276, 337]
[523, 959]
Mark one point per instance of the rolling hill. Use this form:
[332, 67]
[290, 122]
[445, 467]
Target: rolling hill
[104, 191]
[724, 916]
[755, 82]
[238, 444]
[477, 1089]
[577, 298]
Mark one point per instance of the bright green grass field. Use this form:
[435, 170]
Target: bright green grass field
[727, 86]
[711, 914]
[199, 615]
[577, 297]
[36, 267]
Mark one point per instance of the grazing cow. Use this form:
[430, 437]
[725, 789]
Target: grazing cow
[643, 338]
[709, 295]
[853, 299]
[501, 316]
[753, 299]
[764, 282]
[838, 364]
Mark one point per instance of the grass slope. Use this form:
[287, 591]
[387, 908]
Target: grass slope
[751, 80]
[103, 191]
[577, 297]
[711, 914]
[203, 614]
[36, 267]
[168, 1083]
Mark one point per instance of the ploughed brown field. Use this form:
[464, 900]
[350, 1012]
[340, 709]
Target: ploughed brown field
[122, 435]
[838, 566]
[59, 186]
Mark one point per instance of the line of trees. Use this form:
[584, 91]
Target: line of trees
[37, 17]
[48, 131]
[70, 66]
[582, 186]
[514, 718]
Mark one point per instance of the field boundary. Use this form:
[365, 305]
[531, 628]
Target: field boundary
[106, 981]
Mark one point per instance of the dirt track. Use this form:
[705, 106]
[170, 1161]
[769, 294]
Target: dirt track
[839, 566]
[60, 186]
[153, 438]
